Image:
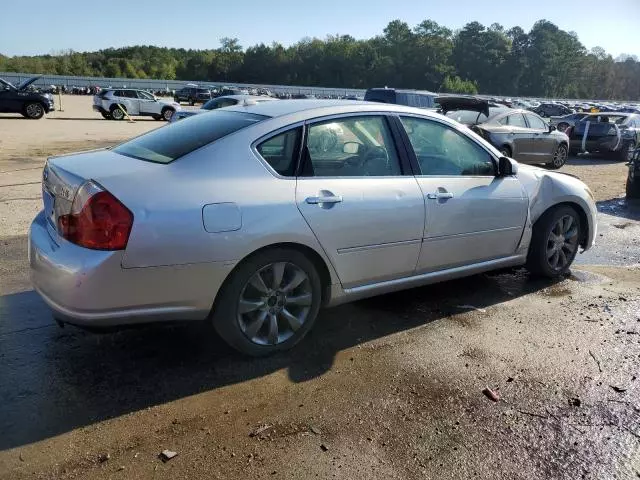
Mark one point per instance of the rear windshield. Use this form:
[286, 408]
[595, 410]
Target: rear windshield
[166, 144]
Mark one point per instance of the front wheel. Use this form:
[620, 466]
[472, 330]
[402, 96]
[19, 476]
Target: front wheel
[554, 242]
[33, 110]
[167, 113]
[269, 302]
[559, 157]
[117, 112]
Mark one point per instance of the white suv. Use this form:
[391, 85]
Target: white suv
[111, 103]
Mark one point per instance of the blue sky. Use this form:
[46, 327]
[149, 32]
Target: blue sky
[86, 26]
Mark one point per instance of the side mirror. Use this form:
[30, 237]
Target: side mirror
[551, 128]
[507, 167]
[351, 148]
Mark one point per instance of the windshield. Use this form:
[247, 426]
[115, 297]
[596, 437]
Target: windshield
[164, 145]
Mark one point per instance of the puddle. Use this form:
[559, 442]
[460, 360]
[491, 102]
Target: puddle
[587, 277]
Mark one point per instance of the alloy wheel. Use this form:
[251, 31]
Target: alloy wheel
[562, 242]
[34, 110]
[274, 303]
[559, 157]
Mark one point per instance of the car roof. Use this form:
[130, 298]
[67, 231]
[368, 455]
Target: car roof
[325, 107]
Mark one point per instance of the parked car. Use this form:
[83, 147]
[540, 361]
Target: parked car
[192, 95]
[518, 134]
[616, 134]
[113, 104]
[562, 123]
[552, 110]
[410, 98]
[633, 178]
[19, 99]
[247, 217]
[221, 102]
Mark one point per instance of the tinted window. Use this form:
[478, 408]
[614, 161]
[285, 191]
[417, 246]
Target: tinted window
[177, 139]
[117, 93]
[441, 150]
[281, 151]
[129, 94]
[536, 122]
[351, 147]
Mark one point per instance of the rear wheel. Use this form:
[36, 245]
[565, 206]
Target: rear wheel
[555, 242]
[559, 157]
[633, 187]
[626, 152]
[33, 110]
[117, 112]
[269, 302]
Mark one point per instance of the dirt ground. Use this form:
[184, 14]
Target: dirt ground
[390, 387]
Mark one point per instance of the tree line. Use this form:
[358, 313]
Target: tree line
[545, 62]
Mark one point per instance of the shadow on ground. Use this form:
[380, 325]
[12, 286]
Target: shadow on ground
[620, 207]
[592, 159]
[54, 380]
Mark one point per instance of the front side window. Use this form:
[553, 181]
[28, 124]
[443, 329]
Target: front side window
[166, 144]
[440, 150]
[536, 122]
[281, 151]
[351, 147]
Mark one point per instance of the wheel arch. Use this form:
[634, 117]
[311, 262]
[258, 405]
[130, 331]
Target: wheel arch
[322, 266]
[585, 234]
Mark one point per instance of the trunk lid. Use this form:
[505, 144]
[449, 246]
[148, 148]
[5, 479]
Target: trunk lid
[453, 103]
[62, 177]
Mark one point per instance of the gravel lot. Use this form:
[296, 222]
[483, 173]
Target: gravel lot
[389, 387]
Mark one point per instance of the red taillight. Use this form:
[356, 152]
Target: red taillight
[97, 220]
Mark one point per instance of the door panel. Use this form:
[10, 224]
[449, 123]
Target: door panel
[544, 144]
[482, 220]
[373, 231]
[471, 215]
[366, 214]
[521, 137]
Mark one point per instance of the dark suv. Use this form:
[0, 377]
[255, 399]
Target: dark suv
[633, 178]
[21, 100]
[192, 95]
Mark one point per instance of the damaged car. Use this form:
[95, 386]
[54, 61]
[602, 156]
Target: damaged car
[614, 134]
[517, 133]
[254, 217]
[20, 99]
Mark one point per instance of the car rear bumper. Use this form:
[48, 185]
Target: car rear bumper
[90, 287]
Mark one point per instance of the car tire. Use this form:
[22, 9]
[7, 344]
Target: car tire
[633, 188]
[506, 151]
[559, 157]
[157, 117]
[167, 113]
[554, 242]
[269, 308]
[33, 110]
[626, 152]
[106, 115]
[117, 112]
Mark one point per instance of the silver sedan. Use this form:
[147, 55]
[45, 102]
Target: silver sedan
[254, 217]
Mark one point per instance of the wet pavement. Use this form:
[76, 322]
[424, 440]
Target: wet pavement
[389, 387]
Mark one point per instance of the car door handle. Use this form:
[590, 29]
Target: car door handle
[325, 199]
[440, 195]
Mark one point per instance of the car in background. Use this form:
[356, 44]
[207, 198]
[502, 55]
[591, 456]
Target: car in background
[518, 134]
[633, 177]
[245, 217]
[409, 98]
[221, 102]
[614, 134]
[562, 123]
[192, 95]
[19, 99]
[116, 104]
[551, 110]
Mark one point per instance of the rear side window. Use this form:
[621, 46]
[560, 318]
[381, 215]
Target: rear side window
[166, 144]
[536, 122]
[281, 151]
